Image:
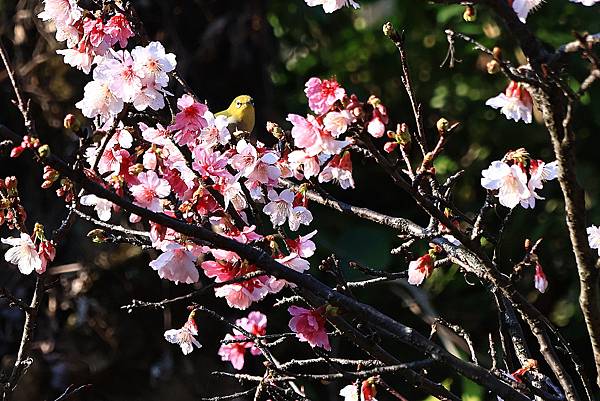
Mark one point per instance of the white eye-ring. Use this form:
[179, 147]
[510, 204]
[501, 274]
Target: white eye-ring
[238, 104]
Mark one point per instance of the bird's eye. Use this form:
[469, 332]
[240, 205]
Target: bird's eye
[238, 104]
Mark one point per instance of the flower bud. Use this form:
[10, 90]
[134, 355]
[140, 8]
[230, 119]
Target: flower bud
[389, 147]
[16, 151]
[47, 184]
[71, 122]
[332, 311]
[493, 67]
[11, 184]
[98, 236]
[44, 151]
[136, 169]
[497, 53]
[470, 14]
[275, 130]
[442, 126]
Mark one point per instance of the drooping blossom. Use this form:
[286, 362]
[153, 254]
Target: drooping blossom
[23, 253]
[309, 326]
[176, 264]
[281, 208]
[102, 206]
[303, 165]
[47, 252]
[339, 169]
[420, 269]
[322, 94]
[376, 127]
[594, 237]
[540, 280]
[233, 351]
[515, 103]
[149, 191]
[330, 6]
[256, 164]
[510, 181]
[256, 324]
[539, 172]
[185, 337]
[119, 30]
[524, 7]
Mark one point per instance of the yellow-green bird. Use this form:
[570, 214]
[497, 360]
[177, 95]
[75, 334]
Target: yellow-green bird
[240, 114]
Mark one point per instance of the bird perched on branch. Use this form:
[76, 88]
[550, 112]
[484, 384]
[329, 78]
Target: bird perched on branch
[240, 115]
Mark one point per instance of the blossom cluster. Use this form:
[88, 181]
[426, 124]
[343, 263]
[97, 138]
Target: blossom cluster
[235, 345]
[516, 178]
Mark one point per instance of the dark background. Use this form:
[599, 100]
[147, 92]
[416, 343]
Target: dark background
[268, 49]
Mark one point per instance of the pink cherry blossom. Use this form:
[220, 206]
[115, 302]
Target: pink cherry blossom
[330, 6]
[594, 237]
[351, 393]
[232, 193]
[256, 324]
[176, 264]
[420, 269]
[153, 63]
[47, 253]
[524, 7]
[158, 136]
[376, 126]
[306, 133]
[188, 120]
[95, 35]
[233, 351]
[322, 94]
[149, 190]
[539, 172]
[227, 266]
[309, 326]
[510, 181]
[99, 100]
[23, 253]
[294, 262]
[515, 103]
[337, 122]
[119, 30]
[118, 71]
[210, 163]
[281, 208]
[303, 164]
[303, 245]
[65, 14]
[540, 280]
[339, 169]
[215, 132]
[102, 207]
[185, 337]
[80, 58]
